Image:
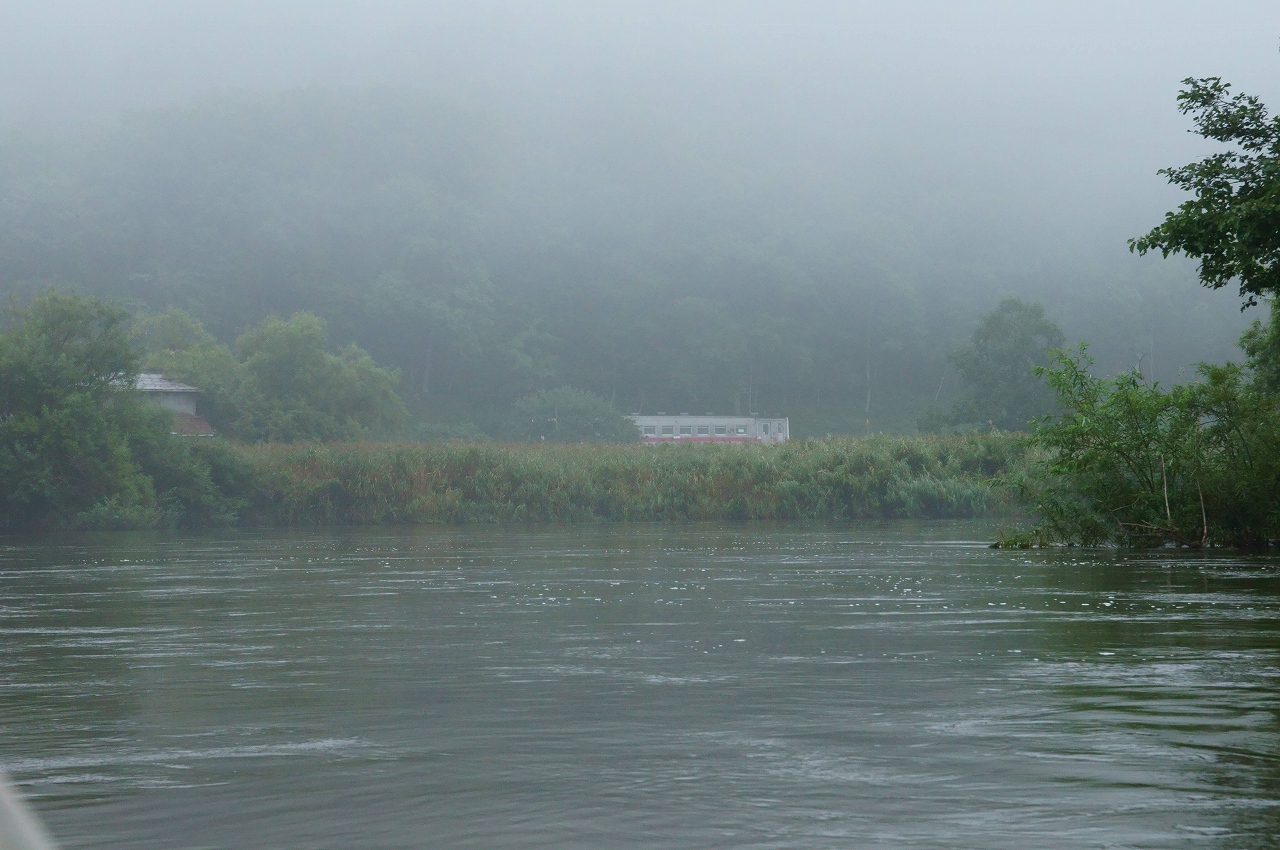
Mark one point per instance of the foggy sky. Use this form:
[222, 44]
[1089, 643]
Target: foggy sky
[1065, 108]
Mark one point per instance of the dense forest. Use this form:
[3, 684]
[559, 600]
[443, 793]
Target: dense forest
[487, 253]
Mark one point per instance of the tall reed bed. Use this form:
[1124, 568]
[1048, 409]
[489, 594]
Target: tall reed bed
[831, 479]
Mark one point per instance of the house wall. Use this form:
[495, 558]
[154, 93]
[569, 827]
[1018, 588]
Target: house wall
[183, 402]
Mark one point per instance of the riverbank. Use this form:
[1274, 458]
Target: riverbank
[879, 477]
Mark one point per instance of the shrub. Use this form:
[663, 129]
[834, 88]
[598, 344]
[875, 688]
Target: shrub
[834, 479]
[1131, 464]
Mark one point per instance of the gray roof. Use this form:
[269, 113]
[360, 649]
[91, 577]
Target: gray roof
[154, 382]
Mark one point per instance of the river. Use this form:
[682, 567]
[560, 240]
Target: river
[763, 686]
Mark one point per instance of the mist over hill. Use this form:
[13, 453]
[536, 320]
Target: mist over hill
[731, 209]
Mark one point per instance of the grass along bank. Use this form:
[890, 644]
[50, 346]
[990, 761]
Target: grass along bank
[832, 479]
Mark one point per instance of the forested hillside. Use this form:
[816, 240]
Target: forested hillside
[488, 250]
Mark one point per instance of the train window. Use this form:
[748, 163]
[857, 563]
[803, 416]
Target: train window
[649, 430]
[721, 430]
[765, 428]
[667, 430]
[686, 429]
[703, 430]
[741, 429]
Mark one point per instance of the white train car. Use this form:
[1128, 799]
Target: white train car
[664, 428]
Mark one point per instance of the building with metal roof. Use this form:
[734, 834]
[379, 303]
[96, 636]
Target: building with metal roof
[179, 399]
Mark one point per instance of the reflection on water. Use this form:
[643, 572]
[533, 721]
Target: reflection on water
[651, 686]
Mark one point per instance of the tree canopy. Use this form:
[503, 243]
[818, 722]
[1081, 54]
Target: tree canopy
[1232, 224]
[281, 384]
[998, 367]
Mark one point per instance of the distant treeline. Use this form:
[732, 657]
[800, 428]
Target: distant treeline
[485, 260]
[81, 448]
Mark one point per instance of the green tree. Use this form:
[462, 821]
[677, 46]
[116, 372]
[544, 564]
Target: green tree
[1130, 463]
[998, 368]
[77, 445]
[68, 414]
[570, 415]
[281, 384]
[1261, 344]
[176, 345]
[291, 388]
[1232, 224]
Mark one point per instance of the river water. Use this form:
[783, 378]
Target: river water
[896, 685]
